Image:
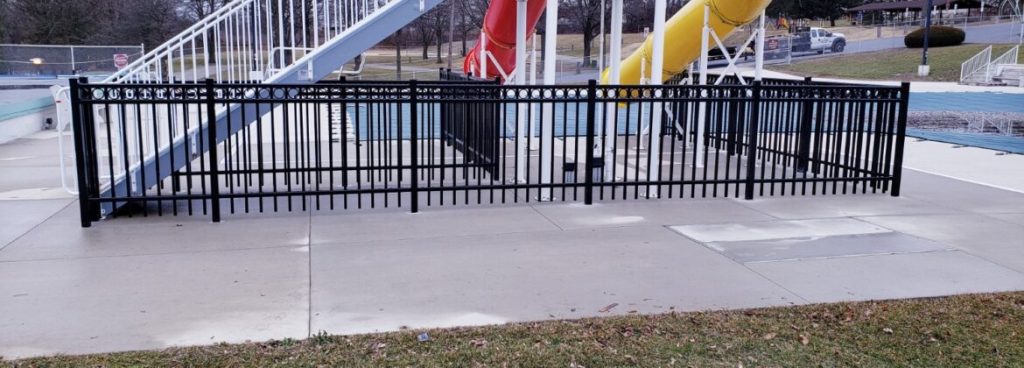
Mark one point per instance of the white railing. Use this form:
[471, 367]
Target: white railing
[995, 68]
[977, 66]
[1008, 57]
[248, 40]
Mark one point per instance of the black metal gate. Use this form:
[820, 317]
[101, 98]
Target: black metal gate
[472, 128]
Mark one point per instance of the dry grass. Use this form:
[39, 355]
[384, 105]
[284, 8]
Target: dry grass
[959, 331]
[898, 64]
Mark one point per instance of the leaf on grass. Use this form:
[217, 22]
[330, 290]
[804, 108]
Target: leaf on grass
[608, 308]
[769, 336]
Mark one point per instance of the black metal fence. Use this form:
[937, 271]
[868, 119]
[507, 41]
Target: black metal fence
[145, 149]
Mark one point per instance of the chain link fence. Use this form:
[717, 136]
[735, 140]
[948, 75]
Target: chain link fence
[778, 49]
[55, 60]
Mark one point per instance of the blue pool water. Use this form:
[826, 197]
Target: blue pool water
[989, 141]
[967, 102]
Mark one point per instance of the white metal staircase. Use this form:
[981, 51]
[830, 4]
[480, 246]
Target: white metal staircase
[1006, 70]
[982, 69]
[260, 41]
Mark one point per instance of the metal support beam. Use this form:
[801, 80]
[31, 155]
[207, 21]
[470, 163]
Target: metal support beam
[520, 66]
[614, 78]
[534, 145]
[759, 50]
[520, 78]
[600, 43]
[547, 111]
[483, 55]
[657, 110]
[702, 109]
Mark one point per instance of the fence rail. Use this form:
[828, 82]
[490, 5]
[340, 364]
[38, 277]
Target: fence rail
[461, 142]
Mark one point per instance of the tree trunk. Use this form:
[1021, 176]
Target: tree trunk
[398, 55]
[588, 38]
[463, 28]
[440, 41]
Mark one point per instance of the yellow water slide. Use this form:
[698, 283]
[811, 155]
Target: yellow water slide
[683, 33]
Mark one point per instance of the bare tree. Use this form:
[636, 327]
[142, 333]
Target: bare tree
[585, 17]
[471, 19]
[199, 9]
[438, 19]
[52, 21]
[4, 9]
[423, 28]
[639, 14]
[92, 21]
[398, 54]
[149, 21]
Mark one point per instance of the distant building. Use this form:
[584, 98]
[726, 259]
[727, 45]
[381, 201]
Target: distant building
[887, 11]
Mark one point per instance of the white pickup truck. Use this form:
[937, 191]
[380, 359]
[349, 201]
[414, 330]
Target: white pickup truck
[805, 39]
[818, 39]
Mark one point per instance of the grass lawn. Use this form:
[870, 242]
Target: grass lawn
[900, 64]
[970, 330]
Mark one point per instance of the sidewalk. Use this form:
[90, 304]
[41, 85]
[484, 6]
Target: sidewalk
[148, 283]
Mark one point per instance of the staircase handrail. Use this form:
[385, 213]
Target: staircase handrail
[178, 40]
[976, 64]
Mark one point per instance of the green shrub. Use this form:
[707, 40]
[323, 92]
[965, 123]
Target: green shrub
[939, 36]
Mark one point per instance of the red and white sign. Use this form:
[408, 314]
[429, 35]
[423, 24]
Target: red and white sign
[120, 61]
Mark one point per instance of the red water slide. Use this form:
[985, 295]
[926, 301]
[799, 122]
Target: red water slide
[500, 30]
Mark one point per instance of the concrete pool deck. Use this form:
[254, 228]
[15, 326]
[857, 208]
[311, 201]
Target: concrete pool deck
[149, 283]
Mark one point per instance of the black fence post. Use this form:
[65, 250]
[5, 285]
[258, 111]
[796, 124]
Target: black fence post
[343, 135]
[806, 107]
[588, 191]
[752, 128]
[92, 162]
[414, 147]
[79, 132]
[211, 145]
[901, 135]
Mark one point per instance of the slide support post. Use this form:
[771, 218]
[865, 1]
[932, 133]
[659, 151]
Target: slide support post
[759, 49]
[614, 78]
[657, 73]
[533, 92]
[547, 139]
[483, 54]
[520, 81]
[702, 81]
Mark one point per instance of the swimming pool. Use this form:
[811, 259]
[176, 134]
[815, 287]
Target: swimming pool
[967, 101]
